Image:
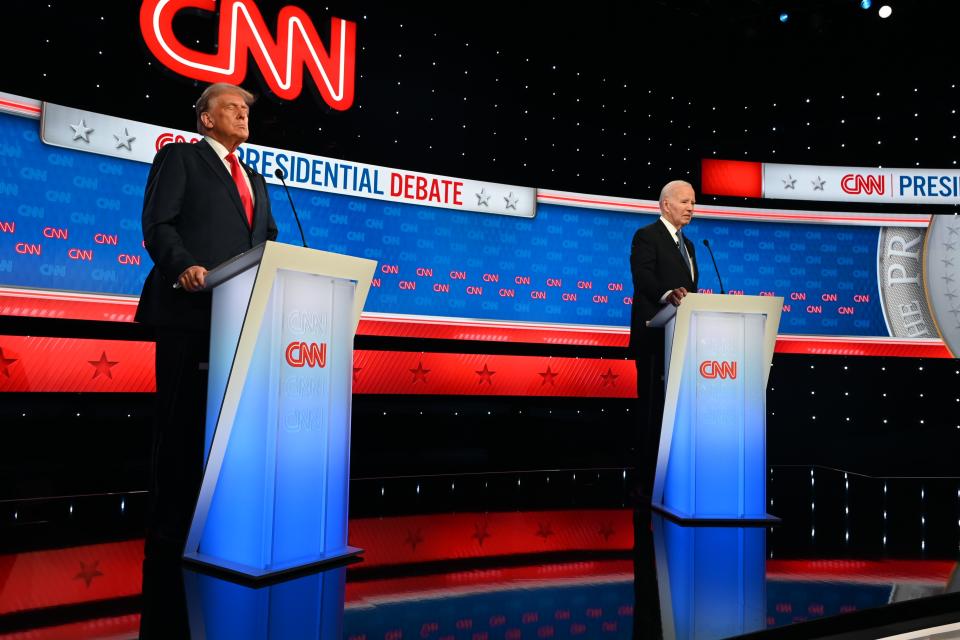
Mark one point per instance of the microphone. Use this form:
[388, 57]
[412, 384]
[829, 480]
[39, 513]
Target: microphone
[280, 175]
[706, 243]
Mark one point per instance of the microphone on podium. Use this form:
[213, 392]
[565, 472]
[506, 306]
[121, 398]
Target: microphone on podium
[706, 243]
[280, 175]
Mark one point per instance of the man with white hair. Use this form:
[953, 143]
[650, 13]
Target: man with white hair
[663, 263]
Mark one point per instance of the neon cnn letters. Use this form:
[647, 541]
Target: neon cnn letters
[242, 31]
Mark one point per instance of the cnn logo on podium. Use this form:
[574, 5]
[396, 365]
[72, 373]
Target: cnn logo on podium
[712, 369]
[310, 354]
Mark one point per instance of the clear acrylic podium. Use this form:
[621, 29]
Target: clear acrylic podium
[274, 496]
[711, 465]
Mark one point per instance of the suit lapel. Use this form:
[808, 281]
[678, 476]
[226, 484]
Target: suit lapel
[668, 241]
[216, 165]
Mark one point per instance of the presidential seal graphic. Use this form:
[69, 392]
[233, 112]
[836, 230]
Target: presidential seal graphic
[942, 277]
[900, 274]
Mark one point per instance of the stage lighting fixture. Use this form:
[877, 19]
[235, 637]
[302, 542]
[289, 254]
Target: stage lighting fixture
[866, 4]
[885, 11]
[784, 16]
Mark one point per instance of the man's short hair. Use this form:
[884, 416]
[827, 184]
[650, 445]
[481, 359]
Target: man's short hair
[670, 186]
[214, 90]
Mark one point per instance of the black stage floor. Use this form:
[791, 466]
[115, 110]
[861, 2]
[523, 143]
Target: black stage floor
[546, 554]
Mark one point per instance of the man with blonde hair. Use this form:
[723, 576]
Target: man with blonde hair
[201, 207]
[664, 267]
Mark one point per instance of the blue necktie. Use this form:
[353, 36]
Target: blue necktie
[683, 250]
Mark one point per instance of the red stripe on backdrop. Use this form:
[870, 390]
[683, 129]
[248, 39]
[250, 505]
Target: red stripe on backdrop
[68, 309]
[126, 567]
[494, 332]
[731, 178]
[35, 304]
[485, 580]
[25, 107]
[58, 365]
[48, 578]
[935, 572]
[409, 539]
[53, 304]
[35, 364]
[30, 363]
[839, 346]
[40, 579]
[414, 373]
[597, 200]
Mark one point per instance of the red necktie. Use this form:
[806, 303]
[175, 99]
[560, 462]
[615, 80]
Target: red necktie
[236, 172]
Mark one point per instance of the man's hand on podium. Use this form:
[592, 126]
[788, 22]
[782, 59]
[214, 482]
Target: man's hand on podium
[676, 296]
[192, 279]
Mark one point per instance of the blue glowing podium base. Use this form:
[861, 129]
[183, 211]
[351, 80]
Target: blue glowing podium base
[711, 466]
[274, 495]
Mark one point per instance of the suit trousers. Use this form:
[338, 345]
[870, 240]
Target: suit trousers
[178, 436]
[650, 397]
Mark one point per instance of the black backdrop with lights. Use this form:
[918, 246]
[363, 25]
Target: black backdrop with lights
[611, 98]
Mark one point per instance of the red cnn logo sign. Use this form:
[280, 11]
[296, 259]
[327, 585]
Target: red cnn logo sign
[713, 369]
[310, 354]
[242, 31]
[166, 138]
[855, 184]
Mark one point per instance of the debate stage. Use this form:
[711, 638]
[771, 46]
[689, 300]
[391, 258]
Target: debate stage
[559, 554]
[459, 460]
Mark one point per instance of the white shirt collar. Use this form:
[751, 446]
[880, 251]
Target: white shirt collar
[672, 229]
[219, 148]
[222, 152]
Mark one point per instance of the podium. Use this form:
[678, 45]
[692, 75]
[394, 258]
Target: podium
[711, 465]
[274, 496]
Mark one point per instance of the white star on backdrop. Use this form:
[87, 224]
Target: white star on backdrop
[483, 198]
[818, 183]
[124, 139]
[511, 200]
[81, 131]
[790, 182]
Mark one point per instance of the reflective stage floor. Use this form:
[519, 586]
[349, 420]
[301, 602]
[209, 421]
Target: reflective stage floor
[550, 554]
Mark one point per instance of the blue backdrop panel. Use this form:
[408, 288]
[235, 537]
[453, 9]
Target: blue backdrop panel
[71, 221]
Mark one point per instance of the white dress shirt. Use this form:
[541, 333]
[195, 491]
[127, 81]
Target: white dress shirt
[673, 234]
[223, 153]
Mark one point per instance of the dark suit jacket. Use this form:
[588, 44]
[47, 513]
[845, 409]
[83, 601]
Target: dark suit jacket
[192, 215]
[657, 267]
